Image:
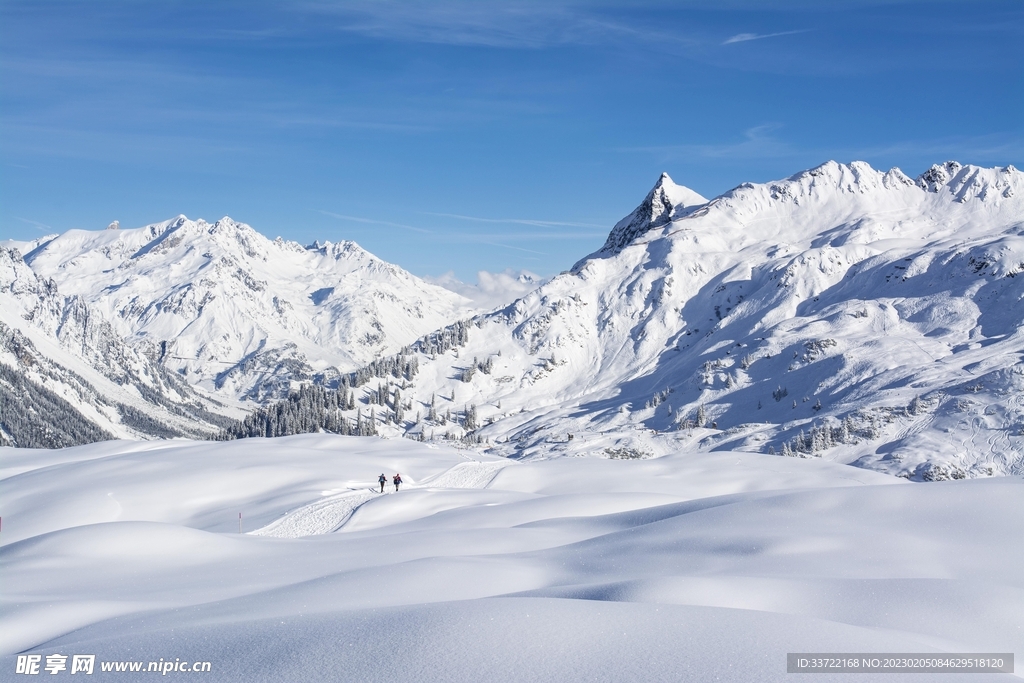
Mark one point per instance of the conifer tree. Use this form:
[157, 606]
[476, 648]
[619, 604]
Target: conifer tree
[702, 415]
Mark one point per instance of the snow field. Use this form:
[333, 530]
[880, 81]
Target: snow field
[196, 484]
[691, 566]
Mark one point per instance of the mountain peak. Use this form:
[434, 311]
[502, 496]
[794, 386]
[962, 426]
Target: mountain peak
[346, 249]
[665, 202]
[965, 182]
[680, 196]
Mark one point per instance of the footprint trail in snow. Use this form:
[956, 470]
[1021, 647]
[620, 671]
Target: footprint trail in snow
[330, 514]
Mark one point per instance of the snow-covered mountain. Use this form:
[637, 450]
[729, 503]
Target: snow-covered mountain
[845, 312]
[67, 377]
[239, 314]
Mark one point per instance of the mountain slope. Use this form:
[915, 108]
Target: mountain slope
[68, 378]
[239, 314]
[845, 312]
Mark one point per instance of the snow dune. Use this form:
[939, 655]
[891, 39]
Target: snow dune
[692, 566]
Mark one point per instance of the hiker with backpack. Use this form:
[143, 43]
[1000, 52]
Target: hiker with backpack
[398, 480]
[382, 480]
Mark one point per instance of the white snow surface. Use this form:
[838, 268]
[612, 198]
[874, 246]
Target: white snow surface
[241, 314]
[693, 566]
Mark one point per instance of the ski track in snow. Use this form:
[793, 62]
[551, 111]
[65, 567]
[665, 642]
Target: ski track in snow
[322, 517]
[330, 514]
[467, 475]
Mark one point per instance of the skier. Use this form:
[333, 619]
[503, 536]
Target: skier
[382, 480]
[398, 480]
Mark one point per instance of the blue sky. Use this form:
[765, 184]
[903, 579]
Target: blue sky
[465, 136]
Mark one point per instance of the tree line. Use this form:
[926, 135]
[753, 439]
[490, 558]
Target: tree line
[314, 408]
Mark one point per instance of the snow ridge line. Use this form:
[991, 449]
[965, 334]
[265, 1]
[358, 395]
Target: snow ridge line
[330, 514]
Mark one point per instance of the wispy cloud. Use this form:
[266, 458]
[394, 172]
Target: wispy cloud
[371, 221]
[68, 141]
[255, 34]
[519, 221]
[258, 99]
[42, 227]
[757, 143]
[509, 246]
[745, 37]
[760, 142]
[980, 149]
[483, 238]
[510, 24]
[516, 24]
